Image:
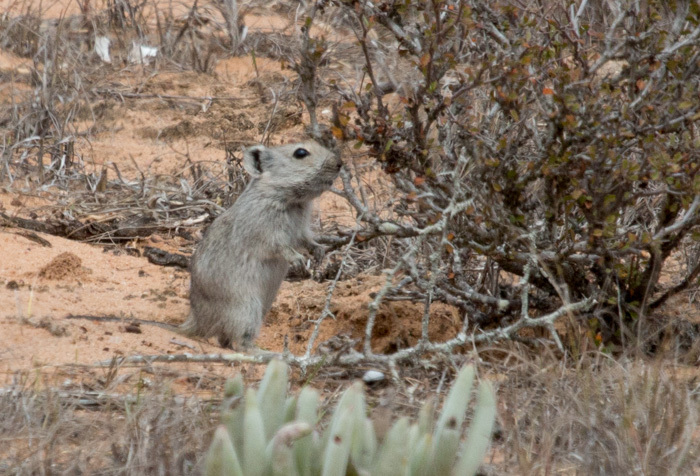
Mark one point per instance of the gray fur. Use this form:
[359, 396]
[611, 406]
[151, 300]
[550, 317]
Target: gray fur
[238, 267]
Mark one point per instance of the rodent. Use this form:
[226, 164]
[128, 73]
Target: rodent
[238, 267]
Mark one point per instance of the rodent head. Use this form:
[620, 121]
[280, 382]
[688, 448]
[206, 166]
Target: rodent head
[299, 171]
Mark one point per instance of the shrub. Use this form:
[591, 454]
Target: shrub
[557, 144]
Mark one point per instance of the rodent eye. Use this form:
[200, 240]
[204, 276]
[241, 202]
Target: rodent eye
[300, 153]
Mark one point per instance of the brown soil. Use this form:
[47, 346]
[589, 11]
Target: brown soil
[146, 136]
[43, 284]
[48, 281]
[64, 266]
[158, 132]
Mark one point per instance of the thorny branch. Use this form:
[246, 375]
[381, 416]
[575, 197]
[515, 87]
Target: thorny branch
[404, 355]
[557, 186]
[516, 157]
[329, 296]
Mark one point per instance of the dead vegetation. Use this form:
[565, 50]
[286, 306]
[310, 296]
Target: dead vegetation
[594, 415]
[74, 430]
[489, 142]
[599, 415]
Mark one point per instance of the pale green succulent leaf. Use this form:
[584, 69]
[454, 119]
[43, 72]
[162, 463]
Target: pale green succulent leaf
[352, 398]
[305, 451]
[279, 451]
[272, 395]
[233, 410]
[337, 452]
[392, 455]
[351, 401]
[290, 409]
[364, 445]
[480, 430]
[445, 453]
[412, 437]
[307, 406]
[450, 422]
[455, 407]
[234, 387]
[426, 416]
[254, 442]
[420, 462]
[221, 459]
[233, 419]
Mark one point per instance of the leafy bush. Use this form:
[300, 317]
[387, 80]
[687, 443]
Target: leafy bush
[553, 142]
[270, 433]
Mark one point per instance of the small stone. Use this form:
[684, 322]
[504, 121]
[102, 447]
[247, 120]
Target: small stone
[372, 376]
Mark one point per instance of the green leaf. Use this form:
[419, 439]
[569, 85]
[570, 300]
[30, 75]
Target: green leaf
[444, 451]
[479, 432]
[609, 199]
[426, 417]
[393, 454]
[234, 410]
[272, 395]
[234, 387]
[279, 451]
[290, 409]
[222, 459]
[254, 442]
[364, 444]
[305, 452]
[448, 430]
[337, 454]
[421, 455]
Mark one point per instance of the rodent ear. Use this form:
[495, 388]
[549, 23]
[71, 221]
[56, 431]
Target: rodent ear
[253, 158]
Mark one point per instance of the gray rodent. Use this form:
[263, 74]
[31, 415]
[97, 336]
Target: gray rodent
[239, 265]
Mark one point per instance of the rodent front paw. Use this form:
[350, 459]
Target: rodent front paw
[319, 252]
[297, 265]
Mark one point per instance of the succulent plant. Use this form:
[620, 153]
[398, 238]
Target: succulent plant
[270, 433]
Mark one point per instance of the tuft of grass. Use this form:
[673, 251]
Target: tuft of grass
[599, 416]
[50, 431]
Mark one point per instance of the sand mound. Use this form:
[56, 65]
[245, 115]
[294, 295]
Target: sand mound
[65, 265]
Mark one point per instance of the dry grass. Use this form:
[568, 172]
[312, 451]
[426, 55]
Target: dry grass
[595, 415]
[150, 431]
[50, 113]
[598, 416]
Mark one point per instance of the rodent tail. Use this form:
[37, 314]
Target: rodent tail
[189, 327]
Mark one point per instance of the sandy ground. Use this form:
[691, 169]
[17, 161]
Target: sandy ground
[43, 281]
[43, 285]
[143, 136]
[157, 121]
